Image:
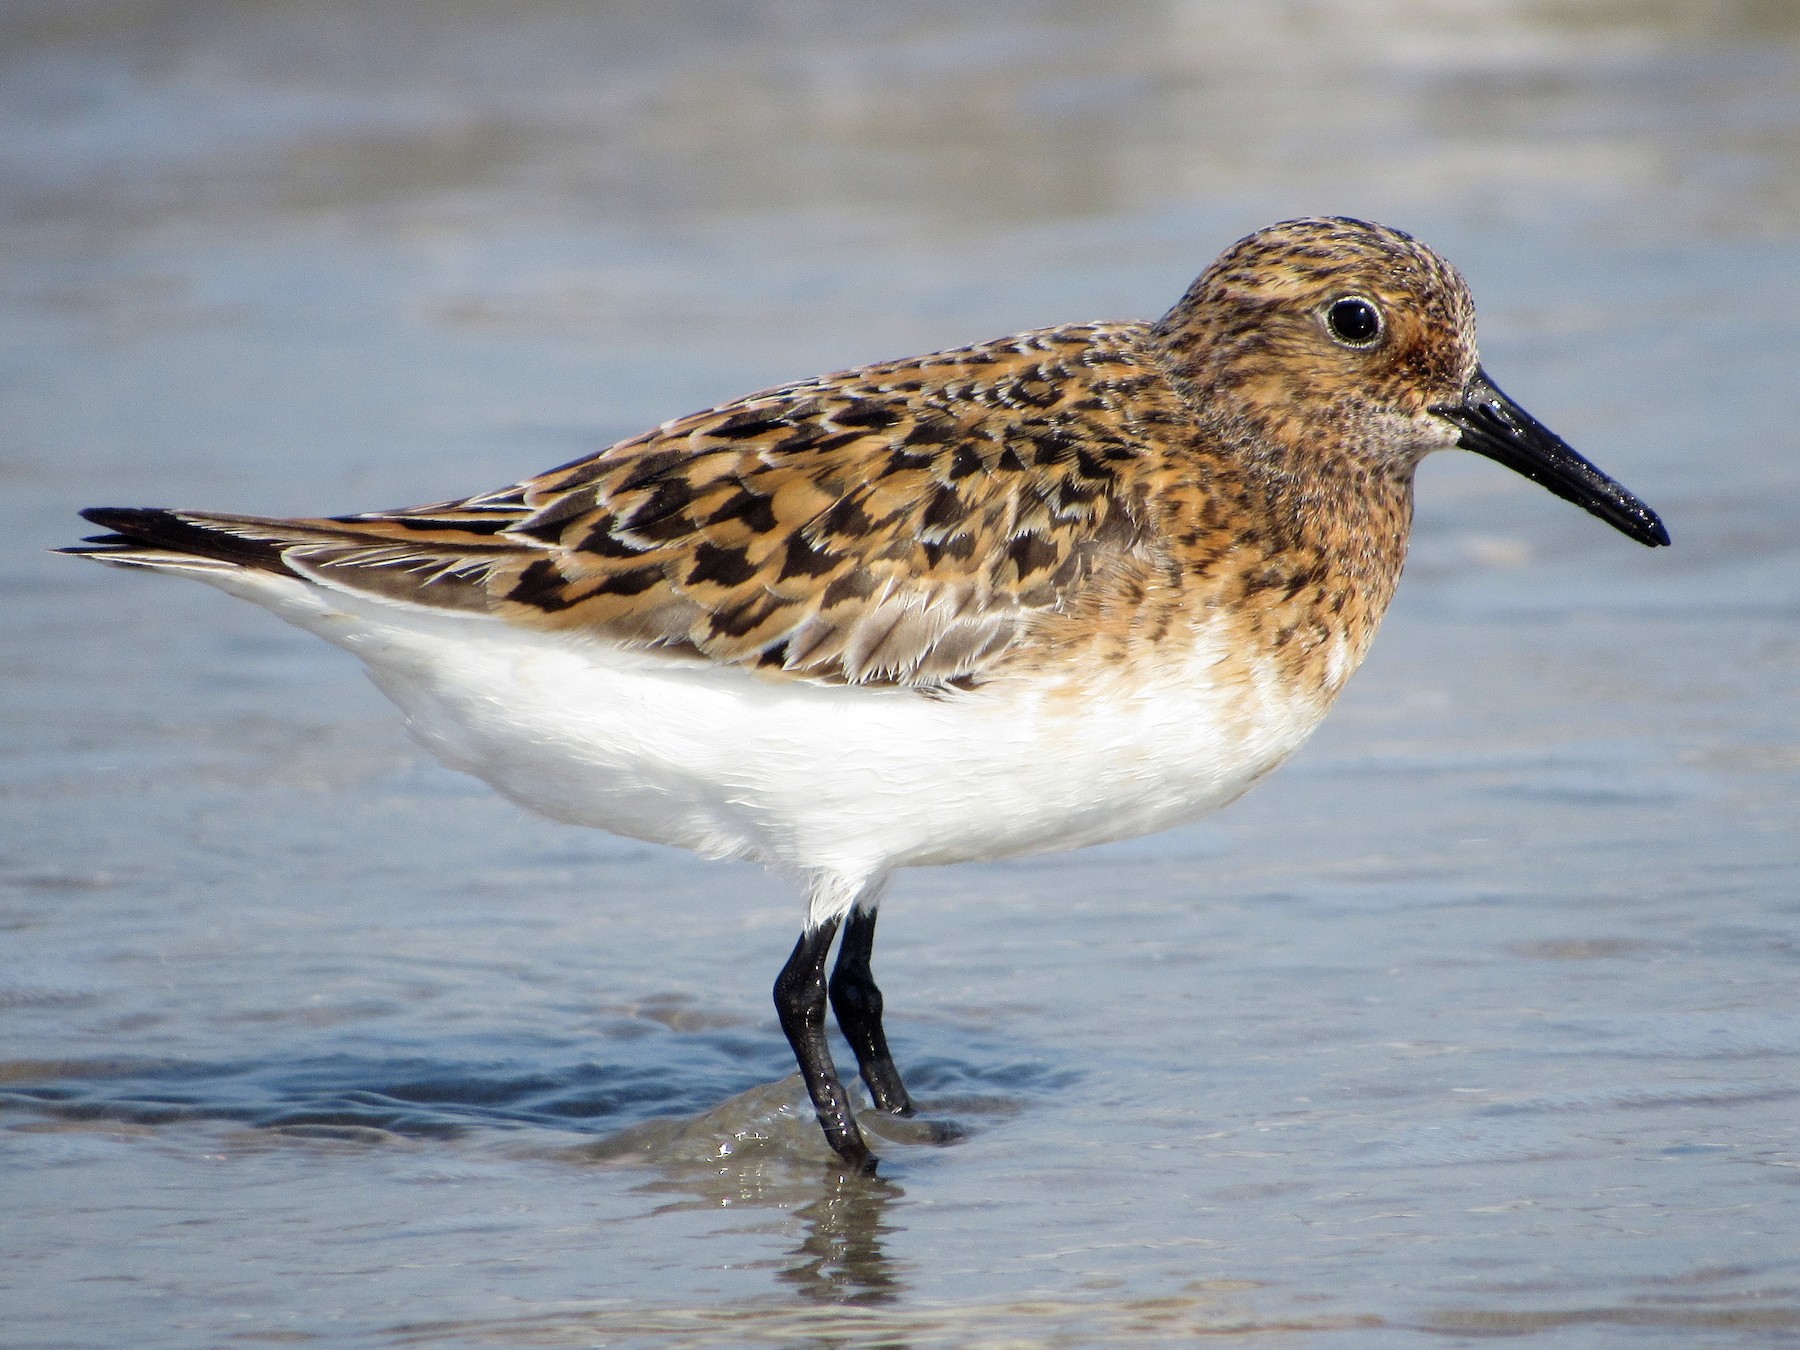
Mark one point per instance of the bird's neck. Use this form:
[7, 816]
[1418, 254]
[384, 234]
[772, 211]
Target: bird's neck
[1311, 524]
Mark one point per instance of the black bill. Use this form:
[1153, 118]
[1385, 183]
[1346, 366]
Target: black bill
[1493, 425]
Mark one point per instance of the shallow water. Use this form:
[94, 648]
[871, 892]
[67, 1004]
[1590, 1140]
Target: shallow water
[1478, 1019]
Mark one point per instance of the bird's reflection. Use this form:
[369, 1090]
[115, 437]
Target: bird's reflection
[841, 1220]
[841, 1257]
[761, 1150]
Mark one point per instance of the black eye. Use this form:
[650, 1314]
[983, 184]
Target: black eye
[1353, 321]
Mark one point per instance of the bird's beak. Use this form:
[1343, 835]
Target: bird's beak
[1493, 425]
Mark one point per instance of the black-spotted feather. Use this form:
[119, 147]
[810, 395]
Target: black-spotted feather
[900, 524]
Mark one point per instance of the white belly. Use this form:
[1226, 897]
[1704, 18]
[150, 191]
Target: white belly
[810, 778]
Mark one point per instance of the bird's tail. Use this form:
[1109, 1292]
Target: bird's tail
[192, 541]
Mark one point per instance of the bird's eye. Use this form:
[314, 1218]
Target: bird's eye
[1354, 321]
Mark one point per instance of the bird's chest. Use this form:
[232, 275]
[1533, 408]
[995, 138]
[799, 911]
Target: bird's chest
[1092, 755]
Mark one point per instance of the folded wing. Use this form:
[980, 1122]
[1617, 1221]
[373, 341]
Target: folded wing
[902, 524]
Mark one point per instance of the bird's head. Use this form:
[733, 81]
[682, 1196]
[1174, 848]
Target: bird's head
[1332, 332]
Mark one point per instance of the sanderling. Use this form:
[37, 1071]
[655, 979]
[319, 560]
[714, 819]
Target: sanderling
[1068, 586]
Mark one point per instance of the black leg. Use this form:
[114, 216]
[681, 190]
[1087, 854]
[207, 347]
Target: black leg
[800, 1004]
[857, 1003]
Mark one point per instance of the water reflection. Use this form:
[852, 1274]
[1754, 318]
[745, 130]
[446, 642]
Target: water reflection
[841, 1259]
[762, 1150]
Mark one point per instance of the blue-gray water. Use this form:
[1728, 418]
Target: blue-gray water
[1479, 1018]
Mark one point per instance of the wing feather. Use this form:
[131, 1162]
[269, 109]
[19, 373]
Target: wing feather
[901, 524]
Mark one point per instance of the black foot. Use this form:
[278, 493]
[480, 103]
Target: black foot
[800, 1004]
[857, 1003]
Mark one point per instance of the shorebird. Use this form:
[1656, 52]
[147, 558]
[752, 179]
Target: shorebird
[1068, 586]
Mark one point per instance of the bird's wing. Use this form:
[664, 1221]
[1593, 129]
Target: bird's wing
[898, 524]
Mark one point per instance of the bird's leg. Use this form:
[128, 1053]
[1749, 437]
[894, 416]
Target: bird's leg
[800, 1004]
[857, 1003]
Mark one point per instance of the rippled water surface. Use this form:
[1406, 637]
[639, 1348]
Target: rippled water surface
[1479, 1018]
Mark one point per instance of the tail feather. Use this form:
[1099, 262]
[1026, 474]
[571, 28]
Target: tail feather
[368, 556]
[151, 536]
